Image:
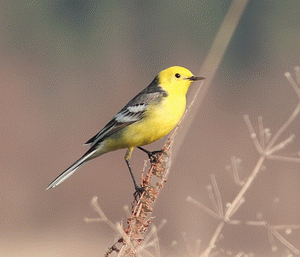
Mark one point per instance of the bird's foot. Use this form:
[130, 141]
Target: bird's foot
[154, 155]
[138, 191]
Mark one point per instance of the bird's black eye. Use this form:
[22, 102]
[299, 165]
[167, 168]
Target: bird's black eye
[177, 75]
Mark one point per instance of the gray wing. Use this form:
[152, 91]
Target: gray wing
[132, 112]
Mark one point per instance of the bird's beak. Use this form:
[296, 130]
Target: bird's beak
[193, 78]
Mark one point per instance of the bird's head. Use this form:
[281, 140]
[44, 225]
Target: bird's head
[176, 79]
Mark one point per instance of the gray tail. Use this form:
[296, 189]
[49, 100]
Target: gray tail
[69, 171]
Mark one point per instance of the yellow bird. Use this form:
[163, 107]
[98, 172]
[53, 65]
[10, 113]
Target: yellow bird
[149, 116]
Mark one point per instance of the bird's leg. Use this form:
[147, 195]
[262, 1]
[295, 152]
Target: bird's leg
[152, 155]
[138, 190]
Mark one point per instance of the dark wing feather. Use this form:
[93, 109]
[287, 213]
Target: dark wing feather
[132, 112]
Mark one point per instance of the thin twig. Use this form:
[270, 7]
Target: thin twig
[213, 200]
[272, 231]
[218, 195]
[236, 207]
[265, 153]
[248, 183]
[203, 207]
[283, 158]
[235, 171]
[253, 134]
[281, 145]
[285, 242]
[261, 132]
[212, 242]
[297, 71]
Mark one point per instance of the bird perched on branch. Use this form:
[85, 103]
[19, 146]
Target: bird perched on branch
[149, 116]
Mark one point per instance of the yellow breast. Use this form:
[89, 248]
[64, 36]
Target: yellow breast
[159, 121]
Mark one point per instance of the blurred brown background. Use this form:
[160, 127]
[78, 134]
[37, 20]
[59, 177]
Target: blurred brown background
[67, 67]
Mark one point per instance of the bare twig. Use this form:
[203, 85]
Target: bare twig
[253, 135]
[212, 242]
[213, 200]
[292, 117]
[283, 158]
[248, 183]
[218, 195]
[281, 145]
[235, 171]
[203, 207]
[273, 232]
[265, 152]
[213, 60]
[261, 132]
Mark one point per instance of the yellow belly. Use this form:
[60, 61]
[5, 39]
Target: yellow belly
[159, 121]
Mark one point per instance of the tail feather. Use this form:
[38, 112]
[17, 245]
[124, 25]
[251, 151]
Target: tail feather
[70, 171]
